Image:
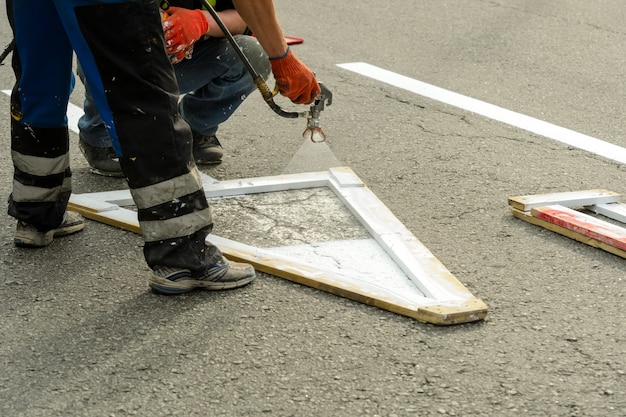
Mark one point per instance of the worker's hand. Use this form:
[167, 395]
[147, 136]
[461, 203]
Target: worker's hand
[183, 27]
[294, 79]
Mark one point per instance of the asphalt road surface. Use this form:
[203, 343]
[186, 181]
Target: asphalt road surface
[82, 335]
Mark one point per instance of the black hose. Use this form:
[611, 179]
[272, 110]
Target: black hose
[7, 51]
[261, 85]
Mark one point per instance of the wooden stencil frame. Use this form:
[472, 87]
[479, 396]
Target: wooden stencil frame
[446, 301]
[559, 213]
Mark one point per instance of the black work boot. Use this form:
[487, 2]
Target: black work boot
[206, 149]
[103, 161]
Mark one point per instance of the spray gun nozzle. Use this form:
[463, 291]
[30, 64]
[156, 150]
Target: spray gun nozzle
[313, 130]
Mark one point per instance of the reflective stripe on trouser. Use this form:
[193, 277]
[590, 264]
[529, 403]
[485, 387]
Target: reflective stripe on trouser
[41, 175]
[182, 197]
[135, 89]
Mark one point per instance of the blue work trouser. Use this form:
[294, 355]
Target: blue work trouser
[214, 80]
[120, 46]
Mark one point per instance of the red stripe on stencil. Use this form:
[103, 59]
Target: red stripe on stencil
[583, 224]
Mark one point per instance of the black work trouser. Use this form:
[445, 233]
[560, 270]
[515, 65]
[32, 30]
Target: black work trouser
[120, 47]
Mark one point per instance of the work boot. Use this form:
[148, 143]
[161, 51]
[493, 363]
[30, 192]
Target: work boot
[103, 161]
[206, 149]
[223, 275]
[28, 236]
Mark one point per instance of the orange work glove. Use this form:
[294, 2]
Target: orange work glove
[183, 27]
[294, 79]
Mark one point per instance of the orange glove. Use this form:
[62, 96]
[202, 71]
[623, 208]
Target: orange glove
[183, 27]
[294, 79]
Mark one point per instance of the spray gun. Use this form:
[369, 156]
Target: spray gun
[313, 130]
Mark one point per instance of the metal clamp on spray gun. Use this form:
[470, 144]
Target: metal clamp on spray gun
[313, 130]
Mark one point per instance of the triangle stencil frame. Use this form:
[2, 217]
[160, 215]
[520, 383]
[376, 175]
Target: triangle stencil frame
[438, 297]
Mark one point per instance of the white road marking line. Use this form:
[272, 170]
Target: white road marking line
[549, 130]
[73, 114]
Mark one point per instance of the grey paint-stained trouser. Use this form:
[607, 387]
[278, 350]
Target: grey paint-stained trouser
[120, 46]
